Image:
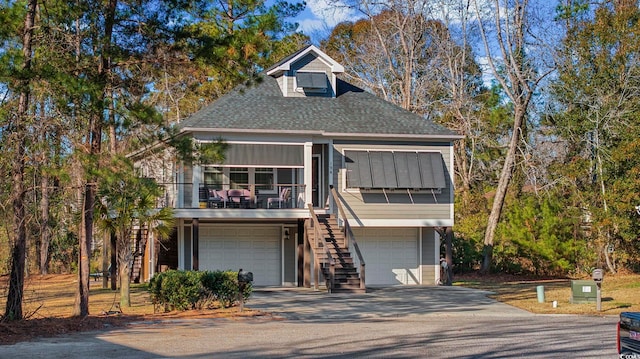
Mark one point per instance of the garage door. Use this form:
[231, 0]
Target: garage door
[253, 248]
[391, 255]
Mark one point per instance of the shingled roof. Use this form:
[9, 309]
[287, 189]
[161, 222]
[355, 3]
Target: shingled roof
[262, 107]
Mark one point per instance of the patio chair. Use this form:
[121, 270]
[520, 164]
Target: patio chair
[280, 202]
[203, 194]
[245, 199]
[217, 198]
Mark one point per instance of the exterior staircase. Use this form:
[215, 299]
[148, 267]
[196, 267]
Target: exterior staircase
[140, 244]
[346, 276]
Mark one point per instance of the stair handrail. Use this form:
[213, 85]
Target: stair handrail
[348, 233]
[317, 235]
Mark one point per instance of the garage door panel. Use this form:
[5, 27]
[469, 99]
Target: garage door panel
[391, 255]
[252, 248]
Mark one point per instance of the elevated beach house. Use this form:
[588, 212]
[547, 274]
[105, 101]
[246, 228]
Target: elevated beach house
[322, 184]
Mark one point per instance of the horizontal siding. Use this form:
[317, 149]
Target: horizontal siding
[159, 166]
[311, 63]
[396, 204]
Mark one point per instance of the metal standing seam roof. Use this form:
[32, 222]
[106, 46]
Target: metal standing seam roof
[353, 111]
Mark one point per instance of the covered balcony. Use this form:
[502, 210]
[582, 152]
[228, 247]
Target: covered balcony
[257, 179]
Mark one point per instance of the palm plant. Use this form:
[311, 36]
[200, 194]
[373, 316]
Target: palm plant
[127, 202]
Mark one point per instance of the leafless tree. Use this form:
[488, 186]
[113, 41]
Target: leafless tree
[507, 31]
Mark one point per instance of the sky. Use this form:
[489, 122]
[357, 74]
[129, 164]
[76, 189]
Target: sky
[320, 16]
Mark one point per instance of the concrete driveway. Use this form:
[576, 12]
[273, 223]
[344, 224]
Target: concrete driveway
[396, 322]
[379, 302]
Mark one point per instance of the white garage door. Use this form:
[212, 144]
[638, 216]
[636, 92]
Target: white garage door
[253, 248]
[391, 255]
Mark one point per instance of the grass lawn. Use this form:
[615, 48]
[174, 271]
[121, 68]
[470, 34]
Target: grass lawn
[49, 300]
[52, 296]
[620, 293]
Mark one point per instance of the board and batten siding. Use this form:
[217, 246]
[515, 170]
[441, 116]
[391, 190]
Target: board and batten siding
[396, 204]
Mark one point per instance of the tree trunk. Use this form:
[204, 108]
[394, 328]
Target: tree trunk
[607, 257]
[114, 261]
[487, 258]
[13, 309]
[446, 233]
[124, 267]
[518, 80]
[448, 241]
[460, 150]
[125, 298]
[81, 305]
[501, 191]
[95, 142]
[45, 232]
[105, 261]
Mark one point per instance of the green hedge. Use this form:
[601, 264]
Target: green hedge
[183, 290]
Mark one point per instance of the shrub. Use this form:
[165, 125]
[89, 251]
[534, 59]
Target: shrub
[182, 290]
[175, 290]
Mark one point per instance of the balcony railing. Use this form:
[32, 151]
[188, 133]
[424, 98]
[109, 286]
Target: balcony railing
[244, 196]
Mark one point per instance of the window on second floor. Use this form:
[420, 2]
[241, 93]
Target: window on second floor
[264, 178]
[214, 177]
[239, 177]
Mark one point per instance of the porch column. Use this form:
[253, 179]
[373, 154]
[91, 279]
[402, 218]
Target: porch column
[330, 183]
[308, 178]
[195, 228]
[195, 191]
[300, 253]
[151, 252]
[436, 255]
[181, 201]
[307, 262]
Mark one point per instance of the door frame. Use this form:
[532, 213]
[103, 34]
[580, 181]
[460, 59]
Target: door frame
[317, 180]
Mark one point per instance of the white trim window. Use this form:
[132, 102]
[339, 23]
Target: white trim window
[238, 177]
[264, 178]
[308, 81]
[213, 176]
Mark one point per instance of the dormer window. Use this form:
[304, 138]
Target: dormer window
[311, 81]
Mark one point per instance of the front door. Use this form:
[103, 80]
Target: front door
[316, 178]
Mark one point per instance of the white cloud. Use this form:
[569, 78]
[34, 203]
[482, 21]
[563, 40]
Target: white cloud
[309, 26]
[325, 14]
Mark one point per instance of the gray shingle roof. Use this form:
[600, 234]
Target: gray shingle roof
[353, 111]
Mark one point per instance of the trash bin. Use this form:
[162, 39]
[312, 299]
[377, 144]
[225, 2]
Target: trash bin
[540, 292]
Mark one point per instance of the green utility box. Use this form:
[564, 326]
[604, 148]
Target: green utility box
[583, 291]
